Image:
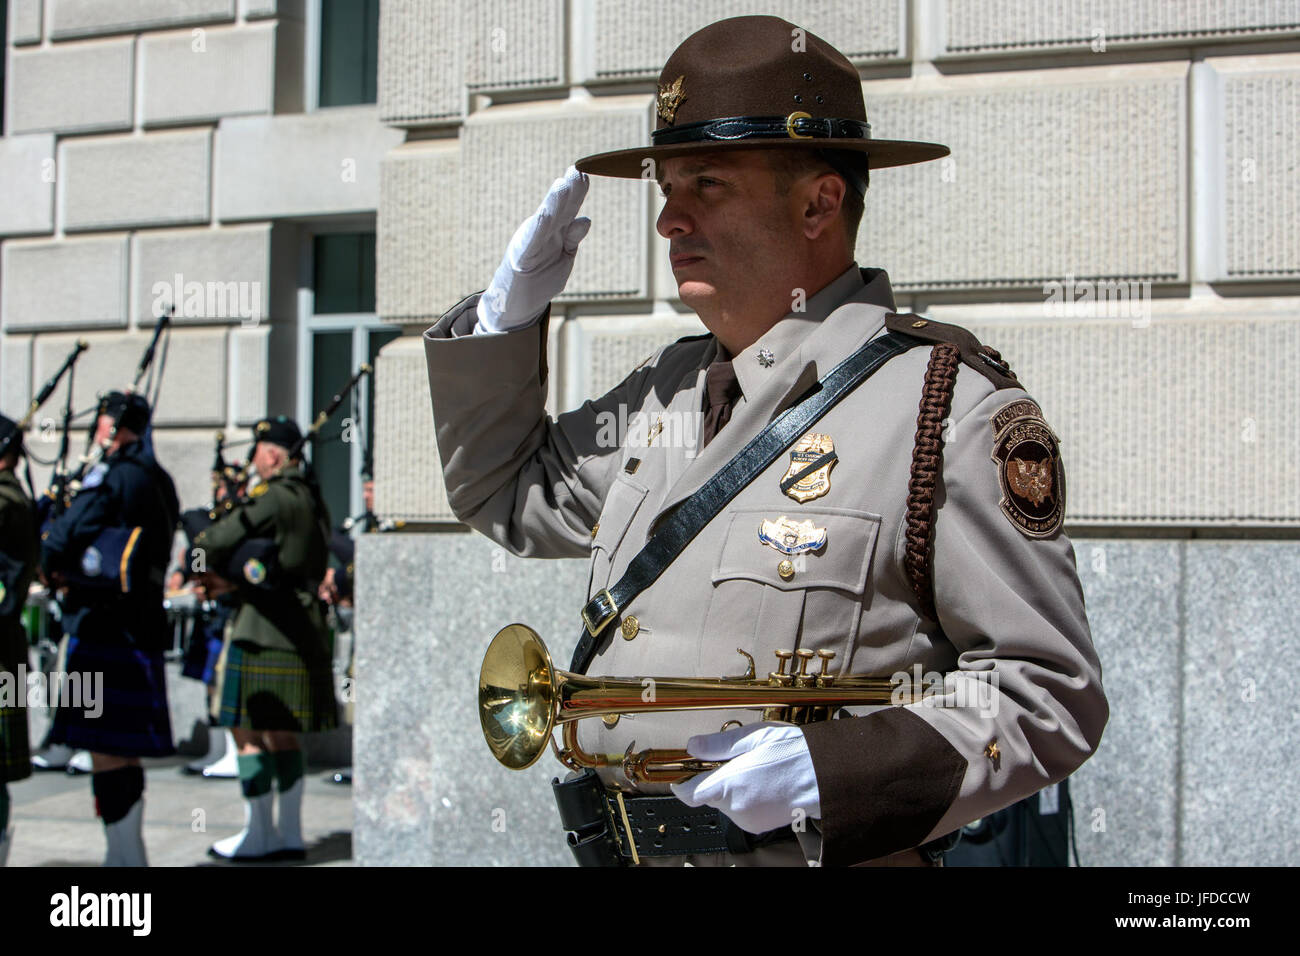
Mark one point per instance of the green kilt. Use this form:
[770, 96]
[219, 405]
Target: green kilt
[267, 689]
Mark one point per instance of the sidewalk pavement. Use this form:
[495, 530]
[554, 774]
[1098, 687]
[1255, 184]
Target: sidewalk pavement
[54, 823]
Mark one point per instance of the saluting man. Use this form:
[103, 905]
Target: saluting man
[276, 676]
[120, 632]
[19, 550]
[913, 530]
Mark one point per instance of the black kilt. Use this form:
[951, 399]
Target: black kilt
[135, 721]
[15, 753]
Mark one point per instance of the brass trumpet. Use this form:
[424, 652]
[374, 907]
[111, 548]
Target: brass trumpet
[521, 697]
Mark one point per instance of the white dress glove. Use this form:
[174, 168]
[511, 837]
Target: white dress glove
[538, 261]
[768, 776]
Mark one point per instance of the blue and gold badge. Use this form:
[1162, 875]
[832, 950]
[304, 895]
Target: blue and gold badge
[791, 537]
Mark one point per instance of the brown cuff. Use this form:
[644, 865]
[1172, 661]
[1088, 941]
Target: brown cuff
[885, 782]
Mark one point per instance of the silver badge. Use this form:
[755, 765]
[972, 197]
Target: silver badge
[791, 537]
[766, 358]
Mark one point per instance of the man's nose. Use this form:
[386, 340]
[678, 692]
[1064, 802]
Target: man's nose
[673, 220]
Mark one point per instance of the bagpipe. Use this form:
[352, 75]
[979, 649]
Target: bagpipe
[255, 563]
[11, 569]
[113, 562]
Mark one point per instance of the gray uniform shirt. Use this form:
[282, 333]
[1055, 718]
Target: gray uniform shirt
[1024, 704]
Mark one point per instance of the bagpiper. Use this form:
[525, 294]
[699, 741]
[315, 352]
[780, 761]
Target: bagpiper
[276, 675]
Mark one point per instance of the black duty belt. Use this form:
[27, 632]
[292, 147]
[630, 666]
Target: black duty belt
[608, 828]
[699, 509]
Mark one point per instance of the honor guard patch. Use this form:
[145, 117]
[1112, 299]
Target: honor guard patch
[809, 474]
[1029, 470]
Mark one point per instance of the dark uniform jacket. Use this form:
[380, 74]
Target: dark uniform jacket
[286, 509]
[18, 553]
[127, 489]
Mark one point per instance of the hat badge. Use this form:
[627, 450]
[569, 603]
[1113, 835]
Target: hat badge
[670, 97]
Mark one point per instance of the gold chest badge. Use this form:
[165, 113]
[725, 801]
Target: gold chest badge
[809, 474]
[670, 97]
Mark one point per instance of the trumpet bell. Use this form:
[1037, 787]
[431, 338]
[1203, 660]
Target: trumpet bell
[516, 695]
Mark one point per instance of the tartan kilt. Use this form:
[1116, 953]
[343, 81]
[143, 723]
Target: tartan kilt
[135, 721]
[268, 689]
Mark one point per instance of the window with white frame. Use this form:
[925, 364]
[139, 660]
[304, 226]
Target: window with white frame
[339, 331]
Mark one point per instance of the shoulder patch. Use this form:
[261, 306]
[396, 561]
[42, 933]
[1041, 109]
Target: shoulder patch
[1028, 458]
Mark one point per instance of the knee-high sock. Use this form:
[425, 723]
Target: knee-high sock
[116, 792]
[289, 766]
[256, 772]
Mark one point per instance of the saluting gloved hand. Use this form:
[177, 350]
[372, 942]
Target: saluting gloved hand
[538, 261]
[768, 776]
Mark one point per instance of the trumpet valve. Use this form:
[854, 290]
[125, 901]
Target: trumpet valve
[778, 677]
[825, 678]
[803, 678]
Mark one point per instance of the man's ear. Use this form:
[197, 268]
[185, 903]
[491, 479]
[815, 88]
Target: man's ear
[825, 198]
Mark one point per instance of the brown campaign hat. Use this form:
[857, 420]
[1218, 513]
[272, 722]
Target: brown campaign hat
[758, 82]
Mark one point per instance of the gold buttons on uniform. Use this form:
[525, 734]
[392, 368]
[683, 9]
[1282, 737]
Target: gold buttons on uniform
[630, 627]
[920, 324]
[786, 570]
[595, 528]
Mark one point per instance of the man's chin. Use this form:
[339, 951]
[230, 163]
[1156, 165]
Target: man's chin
[695, 293]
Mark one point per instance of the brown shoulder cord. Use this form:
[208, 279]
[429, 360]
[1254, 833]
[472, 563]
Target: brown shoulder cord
[927, 458]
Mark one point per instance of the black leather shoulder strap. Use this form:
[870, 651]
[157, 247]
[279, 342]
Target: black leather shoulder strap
[692, 515]
[981, 358]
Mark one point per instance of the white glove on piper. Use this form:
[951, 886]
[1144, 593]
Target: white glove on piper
[767, 778]
[538, 261]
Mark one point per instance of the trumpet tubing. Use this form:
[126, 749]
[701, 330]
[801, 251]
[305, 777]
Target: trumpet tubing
[522, 697]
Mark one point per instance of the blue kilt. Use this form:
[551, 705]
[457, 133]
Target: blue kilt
[134, 721]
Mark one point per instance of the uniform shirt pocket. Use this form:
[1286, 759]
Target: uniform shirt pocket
[817, 603]
[621, 505]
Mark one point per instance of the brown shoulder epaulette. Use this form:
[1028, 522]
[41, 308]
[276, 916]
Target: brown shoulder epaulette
[981, 358]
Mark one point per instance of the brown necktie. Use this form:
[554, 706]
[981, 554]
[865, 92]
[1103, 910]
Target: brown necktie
[721, 391]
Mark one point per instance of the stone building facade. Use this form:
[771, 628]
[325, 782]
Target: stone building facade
[1117, 218]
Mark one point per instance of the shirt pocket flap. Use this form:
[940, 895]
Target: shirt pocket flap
[843, 562]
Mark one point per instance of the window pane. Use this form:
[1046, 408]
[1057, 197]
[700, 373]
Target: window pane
[349, 52]
[331, 367]
[344, 272]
